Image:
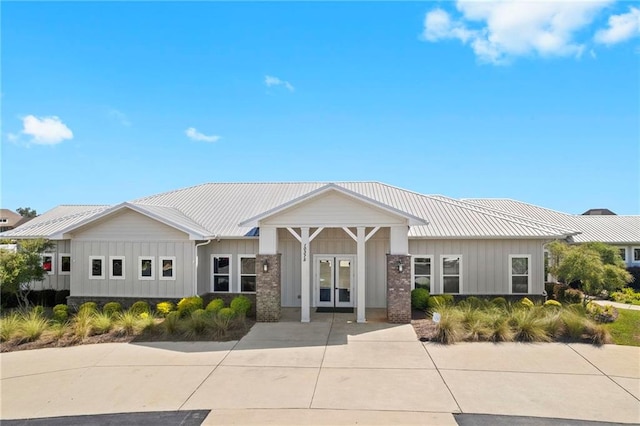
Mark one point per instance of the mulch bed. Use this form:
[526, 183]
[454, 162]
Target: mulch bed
[425, 329]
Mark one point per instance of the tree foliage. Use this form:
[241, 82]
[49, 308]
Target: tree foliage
[21, 268]
[597, 266]
[26, 212]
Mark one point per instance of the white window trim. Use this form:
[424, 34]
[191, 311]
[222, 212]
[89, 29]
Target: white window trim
[633, 255]
[53, 262]
[230, 274]
[413, 269]
[153, 270]
[240, 274]
[510, 272]
[626, 254]
[442, 275]
[124, 263]
[161, 259]
[96, 277]
[60, 256]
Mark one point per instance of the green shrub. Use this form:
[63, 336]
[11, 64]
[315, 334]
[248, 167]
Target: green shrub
[440, 300]
[140, 307]
[241, 305]
[38, 310]
[529, 325]
[197, 323]
[473, 302]
[450, 328]
[171, 323]
[499, 302]
[420, 299]
[574, 324]
[164, 308]
[602, 313]
[32, 326]
[525, 302]
[558, 291]
[127, 323]
[572, 295]
[552, 304]
[189, 304]
[83, 323]
[598, 334]
[626, 295]
[60, 313]
[111, 308]
[224, 319]
[88, 306]
[101, 323]
[499, 328]
[215, 305]
[9, 326]
[227, 313]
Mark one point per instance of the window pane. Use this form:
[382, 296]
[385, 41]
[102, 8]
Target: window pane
[146, 268]
[451, 265]
[116, 267]
[220, 283]
[520, 284]
[47, 263]
[422, 266]
[248, 283]
[167, 267]
[221, 265]
[65, 265]
[520, 265]
[423, 282]
[451, 284]
[636, 254]
[623, 254]
[96, 267]
[248, 265]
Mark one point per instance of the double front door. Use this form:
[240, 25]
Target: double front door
[334, 280]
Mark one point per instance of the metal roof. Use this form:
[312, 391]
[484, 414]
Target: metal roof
[612, 229]
[216, 209]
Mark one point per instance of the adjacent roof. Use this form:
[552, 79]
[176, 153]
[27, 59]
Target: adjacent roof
[611, 229]
[11, 219]
[231, 210]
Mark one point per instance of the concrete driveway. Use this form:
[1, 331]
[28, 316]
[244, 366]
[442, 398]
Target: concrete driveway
[329, 371]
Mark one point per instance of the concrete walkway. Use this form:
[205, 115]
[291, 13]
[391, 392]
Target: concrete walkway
[618, 305]
[329, 371]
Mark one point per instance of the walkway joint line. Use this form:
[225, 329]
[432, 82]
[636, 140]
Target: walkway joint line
[442, 378]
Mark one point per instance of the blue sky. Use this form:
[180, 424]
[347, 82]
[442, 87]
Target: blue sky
[107, 102]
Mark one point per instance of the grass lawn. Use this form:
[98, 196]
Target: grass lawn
[626, 329]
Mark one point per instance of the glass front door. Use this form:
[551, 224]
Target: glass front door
[334, 281]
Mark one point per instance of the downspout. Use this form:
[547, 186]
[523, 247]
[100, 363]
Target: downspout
[195, 275]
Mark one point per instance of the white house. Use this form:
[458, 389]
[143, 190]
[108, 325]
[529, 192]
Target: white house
[307, 245]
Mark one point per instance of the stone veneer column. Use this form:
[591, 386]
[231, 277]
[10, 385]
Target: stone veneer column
[268, 297]
[398, 289]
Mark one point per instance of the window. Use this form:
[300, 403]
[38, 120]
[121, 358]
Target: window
[64, 264]
[167, 267]
[623, 253]
[422, 272]
[221, 273]
[116, 271]
[47, 263]
[247, 273]
[519, 266]
[636, 254]
[451, 273]
[145, 268]
[96, 267]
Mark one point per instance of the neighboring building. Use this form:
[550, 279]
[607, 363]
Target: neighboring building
[598, 212]
[307, 245]
[10, 220]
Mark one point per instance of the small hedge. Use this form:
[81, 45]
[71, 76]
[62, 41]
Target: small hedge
[89, 307]
[420, 299]
[215, 305]
[189, 304]
[241, 305]
[60, 313]
[140, 307]
[111, 308]
[164, 308]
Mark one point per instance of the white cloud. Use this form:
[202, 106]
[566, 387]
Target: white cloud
[499, 31]
[45, 130]
[275, 81]
[119, 116]
[195, 135]
[621, 28]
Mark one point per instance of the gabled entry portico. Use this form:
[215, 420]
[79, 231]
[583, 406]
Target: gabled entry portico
[330, 208]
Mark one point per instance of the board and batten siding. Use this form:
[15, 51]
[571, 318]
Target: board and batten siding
[485, 263]
[56, 281]
[334, 241]
[131, 234]
[234, 248]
